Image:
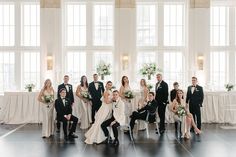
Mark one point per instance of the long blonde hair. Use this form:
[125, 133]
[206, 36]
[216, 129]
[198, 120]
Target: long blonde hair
[45, 84]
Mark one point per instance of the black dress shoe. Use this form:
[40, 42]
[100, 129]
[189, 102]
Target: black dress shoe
[58, 131]
[73, 136]
[115, 143]
[66, 138]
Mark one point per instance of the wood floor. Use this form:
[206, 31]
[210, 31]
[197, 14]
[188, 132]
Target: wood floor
[25, 141]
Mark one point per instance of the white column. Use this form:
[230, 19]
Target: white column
[125, 38]
[50, 19]
[199, 40]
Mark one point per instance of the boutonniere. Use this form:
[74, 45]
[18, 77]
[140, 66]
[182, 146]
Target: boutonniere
[160, 87]
[196, 90]
[66, 102]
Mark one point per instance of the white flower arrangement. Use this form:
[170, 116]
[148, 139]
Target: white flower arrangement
[181, 111]
[29, 87]
[229, 87]
[149, 69]
[48, 98]
[129, 94]
[86, 95]
[103, 69]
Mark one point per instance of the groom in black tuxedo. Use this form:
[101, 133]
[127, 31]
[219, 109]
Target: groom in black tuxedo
[69, 94]
[195, 98]
[96, 89]
[162, 100]
[64, 114]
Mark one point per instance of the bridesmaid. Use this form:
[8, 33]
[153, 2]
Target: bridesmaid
[84, 103]
[124, 88]
[142, 100]
[46, 97]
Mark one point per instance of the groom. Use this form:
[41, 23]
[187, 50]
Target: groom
[96, 89]
[117, 119]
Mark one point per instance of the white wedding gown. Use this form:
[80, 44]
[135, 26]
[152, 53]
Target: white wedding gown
[95, 133]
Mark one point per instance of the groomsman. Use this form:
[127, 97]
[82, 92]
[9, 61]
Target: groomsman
[142, 113]
[162, 100]
[69, 94]
[64, 113]
[117, 119]
[96, 89]
[195, 98]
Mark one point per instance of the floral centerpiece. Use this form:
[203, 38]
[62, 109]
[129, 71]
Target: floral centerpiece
[29, 87]
[149, 69]
[103, 69]
[149, 86]
[181, 111]
[86, 95]
[229, 87]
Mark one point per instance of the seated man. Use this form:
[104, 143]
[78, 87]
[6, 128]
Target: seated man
[64, 114]
[150, 109]
[117, 119]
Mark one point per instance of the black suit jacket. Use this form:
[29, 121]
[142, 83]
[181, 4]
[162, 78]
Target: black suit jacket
[69, 94]
[162, 93]
[172, 94]
[61, 109]
[195, 98]
[150, 108]
[96, 94]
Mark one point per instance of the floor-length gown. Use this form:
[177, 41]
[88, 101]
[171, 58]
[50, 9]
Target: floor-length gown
[85, 112]
[182, 119]
[95, 133]
[48, 120]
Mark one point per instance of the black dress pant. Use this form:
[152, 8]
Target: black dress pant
[107, 123]
[96, 104]
[135, 116]
[196, 112]
[73, 127]
[161, 113]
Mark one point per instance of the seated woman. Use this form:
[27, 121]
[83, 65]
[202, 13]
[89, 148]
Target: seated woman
[183, 116]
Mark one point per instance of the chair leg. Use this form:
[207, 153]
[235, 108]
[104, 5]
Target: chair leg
[147, 129]
[130, 134]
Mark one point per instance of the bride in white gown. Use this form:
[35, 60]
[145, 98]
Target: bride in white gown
[95, 133]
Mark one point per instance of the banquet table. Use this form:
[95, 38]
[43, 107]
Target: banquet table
[23, 107]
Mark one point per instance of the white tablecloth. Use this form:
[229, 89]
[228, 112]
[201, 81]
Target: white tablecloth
[23, 107]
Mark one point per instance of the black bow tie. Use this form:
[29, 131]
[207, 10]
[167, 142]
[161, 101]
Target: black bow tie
[63, 98]
[193, 86]
[113, 100]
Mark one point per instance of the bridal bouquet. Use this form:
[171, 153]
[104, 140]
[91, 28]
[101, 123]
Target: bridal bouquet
[181, 111]
[86, 95]
[129, 94]
[149, 69]
[48, 98]
[29, 87]
[229, 87]
[103, 69]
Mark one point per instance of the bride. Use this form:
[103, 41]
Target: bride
[95, 133]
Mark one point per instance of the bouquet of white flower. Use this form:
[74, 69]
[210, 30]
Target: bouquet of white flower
[229, 87]
[129, 94]
[149, 69]
[103, 69]
[86, 95]
[29, 87]
[48, 98]
[181, 111]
